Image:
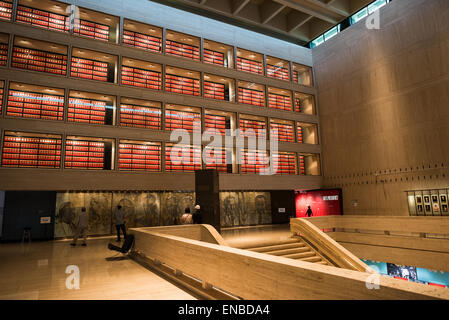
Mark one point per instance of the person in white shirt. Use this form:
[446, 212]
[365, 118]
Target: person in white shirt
[81, 227]
[119, 216]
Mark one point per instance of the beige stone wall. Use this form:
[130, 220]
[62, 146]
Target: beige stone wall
[383, 98]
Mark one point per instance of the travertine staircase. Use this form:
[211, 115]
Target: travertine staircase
[293, 248]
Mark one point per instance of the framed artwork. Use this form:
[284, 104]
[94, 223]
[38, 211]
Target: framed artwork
[419, 207]
[436, 207]
[418, 200]
[444, 207]
[426, 199]
[443, 199]
[427, 207]
[435, 198]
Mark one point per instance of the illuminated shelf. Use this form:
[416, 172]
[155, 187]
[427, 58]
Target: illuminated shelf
[258, 128]
[84, 154]
[248, 65]
[38, 60]
[280, 102]
[254, 162]
[216, 159]
[184, 85]
[140, 117]
[302, 166]
[190, 121]
[139, 156]
[141, 78]
[188, 156]
[89, 69]
[286, 163]
[3, 54]
[299, 131]
[5, 10]
[284, 132]
[89, 111]
[142, 41]
[214, 90]
[92, 30]
[252, 97]
[43, 19]
[31, 152]
[278, 72]
[182, 50]
[216, 124]
[35, 105]
[213, 57]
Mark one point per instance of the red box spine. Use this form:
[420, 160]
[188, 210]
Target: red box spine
[43, 19]
[92, 30]
[286, 163]
[215, 124]
[182, 50]
[249, 65]
[190, 121]
[190, 161]
[35, 105]
[182, 85]
[141, 78]
[140, 117]
[213, 57]
[284, 132]
[217, 160]
[253, 162]
[38, 60]
[84, 154]
[257, 126]
[87, 111]
[89, 69]
[3, 54]
[142, 41]
[135, 157]
[251, 96]
[280, 102]
[5, 10]
[278, 72]
[214, 90]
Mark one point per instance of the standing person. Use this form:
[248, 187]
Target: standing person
[309, 212]
[119, 216]
[186, 218]
[197, 219]
[81, 227]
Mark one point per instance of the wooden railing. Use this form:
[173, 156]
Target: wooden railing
[414, 241]
[327, 246]
[252, 275]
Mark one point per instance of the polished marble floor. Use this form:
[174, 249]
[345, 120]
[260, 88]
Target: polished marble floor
[37, 270]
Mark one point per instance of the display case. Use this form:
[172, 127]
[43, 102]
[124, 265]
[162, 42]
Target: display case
[219, 88]
[45, 14]
[219, 159]
[278, 68]
[140, 114]
[279, 99]
[253, 126]
[249, 61]
[282, 130]
[97, 25]
[307, 133]
[6, 10]
[142, 36]
[251, 93]
[286, 163]
[302, 75]
[217, 122]
[139, 156]
[31, 150]
[182, 45]
[218, 54]
[141, 74]
[93, 65]
[89, 153]
[304, 103]
[254, 161]
[182, 158]
[182, 81]
[92, 108]
[309, 164]
[37, 102]
[39, 56]
[4, 45]
[182, 117]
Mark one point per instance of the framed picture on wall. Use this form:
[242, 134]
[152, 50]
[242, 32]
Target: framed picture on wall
[428, 208]
[418, 200]
[436, 207]
[426, 199]
[435, 198]
[444, 208]
[443, 199]
[419, 207]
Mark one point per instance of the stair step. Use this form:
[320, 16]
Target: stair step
[312, 259]
[285, 252]
[301, 255]
[276, 246]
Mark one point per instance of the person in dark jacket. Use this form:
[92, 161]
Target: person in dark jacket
[197, 219]
[309, 212]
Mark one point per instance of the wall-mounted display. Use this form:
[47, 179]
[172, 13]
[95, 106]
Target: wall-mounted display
[321, 202]
[245, 208]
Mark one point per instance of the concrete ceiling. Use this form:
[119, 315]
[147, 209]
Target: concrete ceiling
[297, 21]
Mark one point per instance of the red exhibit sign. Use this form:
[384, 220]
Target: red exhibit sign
[322, 202]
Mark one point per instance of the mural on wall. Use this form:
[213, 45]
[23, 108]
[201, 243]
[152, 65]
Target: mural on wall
[69, 204]
[142, 209]
[245, 208]
[173, 205]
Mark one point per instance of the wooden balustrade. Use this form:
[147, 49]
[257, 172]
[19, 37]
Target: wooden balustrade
[251, 275]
